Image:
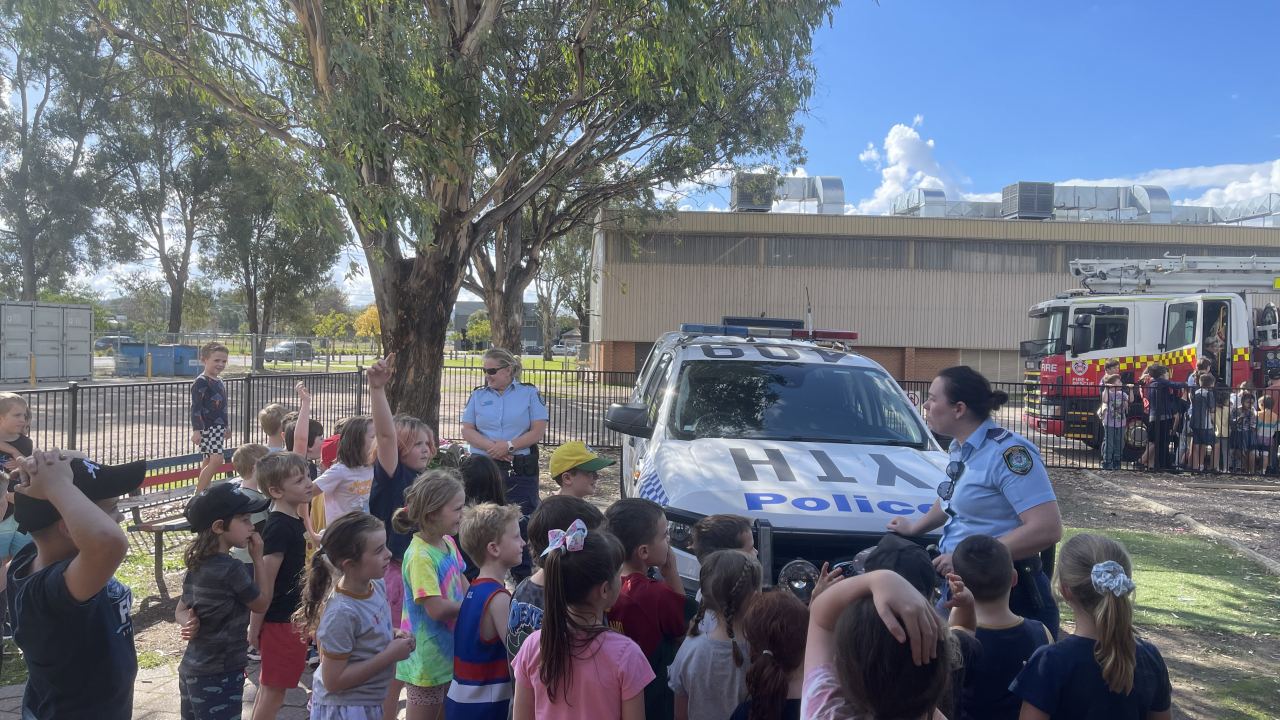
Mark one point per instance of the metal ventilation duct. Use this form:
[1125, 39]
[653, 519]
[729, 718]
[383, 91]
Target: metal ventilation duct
[756, 192]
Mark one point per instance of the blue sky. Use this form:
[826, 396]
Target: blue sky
[1056, 92]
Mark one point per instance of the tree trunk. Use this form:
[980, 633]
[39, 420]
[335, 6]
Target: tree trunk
[506, 316]
[177, 290]
[420, 293]
[29, 290]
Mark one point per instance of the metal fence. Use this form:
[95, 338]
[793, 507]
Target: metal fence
[1236, 435]
[119, 422]
[127, 421]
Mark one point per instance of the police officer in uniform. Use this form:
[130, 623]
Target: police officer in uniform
[996, 485]
[506, 419]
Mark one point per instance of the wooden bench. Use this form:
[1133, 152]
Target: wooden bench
[172, 502]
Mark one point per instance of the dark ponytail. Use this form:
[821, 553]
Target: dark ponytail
[344, 539]
[775, 628]
[968, 386]
[570, 578]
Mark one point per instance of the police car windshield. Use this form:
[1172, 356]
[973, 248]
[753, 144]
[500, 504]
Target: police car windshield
[814, 402]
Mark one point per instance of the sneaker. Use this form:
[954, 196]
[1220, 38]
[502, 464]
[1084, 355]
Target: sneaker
[254, 655]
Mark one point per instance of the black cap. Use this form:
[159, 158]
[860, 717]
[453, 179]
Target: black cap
[97, 482]
[221, 501]
[906, 558]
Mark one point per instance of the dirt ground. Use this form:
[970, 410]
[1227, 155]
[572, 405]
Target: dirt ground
[1197, 660]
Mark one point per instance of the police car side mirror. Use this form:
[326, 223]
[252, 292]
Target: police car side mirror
[629, 419]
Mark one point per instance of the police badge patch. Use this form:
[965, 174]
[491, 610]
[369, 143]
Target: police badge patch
[1018, 459]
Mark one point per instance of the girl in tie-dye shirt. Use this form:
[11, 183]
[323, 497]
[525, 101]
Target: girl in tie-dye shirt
[433, 579]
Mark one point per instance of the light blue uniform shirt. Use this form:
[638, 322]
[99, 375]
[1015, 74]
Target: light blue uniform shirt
[504, 416]
[1003, 476]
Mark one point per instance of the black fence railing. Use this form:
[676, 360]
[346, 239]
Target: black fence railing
[1220, 430]
[118, 422]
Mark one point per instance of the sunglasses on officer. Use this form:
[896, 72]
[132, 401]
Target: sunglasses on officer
[955, 469]
[494, 371]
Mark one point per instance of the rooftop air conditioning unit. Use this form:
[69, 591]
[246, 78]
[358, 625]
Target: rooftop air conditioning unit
[752, 192]
[1027, 201]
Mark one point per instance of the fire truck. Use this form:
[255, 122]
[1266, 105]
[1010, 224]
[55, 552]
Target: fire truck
[1171, 310]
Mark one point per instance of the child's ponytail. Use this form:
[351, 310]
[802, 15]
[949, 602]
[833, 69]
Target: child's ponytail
[1097, 571]
[430, 492]
[775, 628]
[728, 579]
[344, 540]
[571, 575]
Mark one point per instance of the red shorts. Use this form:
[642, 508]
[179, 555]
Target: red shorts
[394, 581]
[284, 655]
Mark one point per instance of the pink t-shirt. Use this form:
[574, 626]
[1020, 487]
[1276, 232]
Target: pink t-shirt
[608, 671]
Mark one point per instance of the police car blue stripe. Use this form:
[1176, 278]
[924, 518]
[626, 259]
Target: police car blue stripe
[651, 488]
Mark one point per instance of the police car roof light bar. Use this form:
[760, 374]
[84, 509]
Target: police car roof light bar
[730, 330]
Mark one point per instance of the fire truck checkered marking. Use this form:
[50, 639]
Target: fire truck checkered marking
[1136, 362]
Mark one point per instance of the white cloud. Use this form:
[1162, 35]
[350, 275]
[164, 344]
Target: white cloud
[1261, 181]
[906, 161]
[1201, 176]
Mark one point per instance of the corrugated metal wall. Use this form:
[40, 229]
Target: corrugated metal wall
[900, 282]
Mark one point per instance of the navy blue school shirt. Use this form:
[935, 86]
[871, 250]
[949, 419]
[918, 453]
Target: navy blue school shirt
[1065, 681]
[81, 662]
[385, 497]
[1000, 656]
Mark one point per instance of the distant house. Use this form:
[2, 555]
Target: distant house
[573, 338]
[530, 333]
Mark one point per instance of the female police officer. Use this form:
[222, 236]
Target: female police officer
[996, 485]
[504, 419]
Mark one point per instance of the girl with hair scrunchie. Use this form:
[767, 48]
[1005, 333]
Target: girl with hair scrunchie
[1104, 669]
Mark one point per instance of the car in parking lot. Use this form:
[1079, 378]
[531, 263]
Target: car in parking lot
[564, 350]
[112, 342]
[815, 443]
[290, 351]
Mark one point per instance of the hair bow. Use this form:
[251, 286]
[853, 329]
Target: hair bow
[1109, 576]
[570, 540]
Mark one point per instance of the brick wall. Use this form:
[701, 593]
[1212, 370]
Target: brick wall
[924, 363]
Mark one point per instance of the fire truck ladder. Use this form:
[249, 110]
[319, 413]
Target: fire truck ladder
[1179, 274]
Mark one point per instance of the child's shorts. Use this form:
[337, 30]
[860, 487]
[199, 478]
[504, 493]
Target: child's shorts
[1204, 436]
[212, 440]
[346, 712]
[11, 541]
[425, 696]
[211, 697]
[284, 655]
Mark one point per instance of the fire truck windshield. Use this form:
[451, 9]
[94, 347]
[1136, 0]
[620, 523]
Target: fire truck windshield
[1050, 333]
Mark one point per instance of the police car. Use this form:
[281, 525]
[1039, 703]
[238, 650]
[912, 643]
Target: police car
[815, 443]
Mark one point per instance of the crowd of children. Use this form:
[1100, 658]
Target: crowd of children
[377, 582]
[1199, 425]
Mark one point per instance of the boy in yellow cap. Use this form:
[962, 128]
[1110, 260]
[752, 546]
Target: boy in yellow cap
[575, 468]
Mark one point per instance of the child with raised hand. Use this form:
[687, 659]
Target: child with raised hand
[1103, 670]
[529, 599]
[649, 611]
[405, 446]
[433, 578]
[209, 411]
[980, 587]
[71, 616]
[284, 554]
[481, 687]
[709, 674]
[347, 482]
[303, 435]
[876, 648]
[575, 667]
[774, 627]
[218, 593]
[350, 620]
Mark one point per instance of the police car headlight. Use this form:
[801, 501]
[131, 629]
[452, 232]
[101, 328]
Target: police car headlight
[681, 535]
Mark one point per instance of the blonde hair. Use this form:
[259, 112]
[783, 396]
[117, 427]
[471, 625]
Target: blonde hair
[1116, 647]
[246, 457]
[208, 349]
[507, 359]
[273, 469]
[483, 524]
[8, 399]
[428, 494]
[407, 429]
[271, 418]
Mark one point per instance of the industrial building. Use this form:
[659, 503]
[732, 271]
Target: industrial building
[936, 283]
